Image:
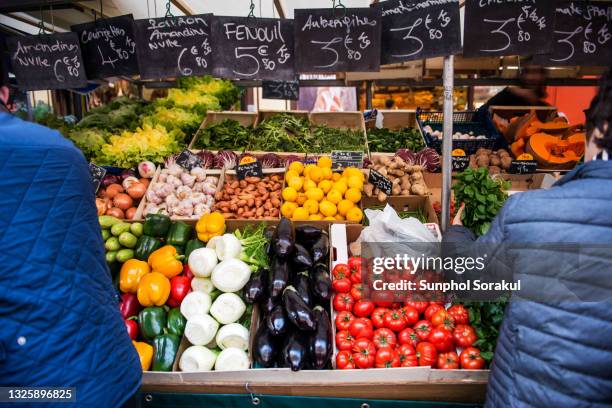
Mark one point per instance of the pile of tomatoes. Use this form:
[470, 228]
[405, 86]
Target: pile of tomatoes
[385, 334]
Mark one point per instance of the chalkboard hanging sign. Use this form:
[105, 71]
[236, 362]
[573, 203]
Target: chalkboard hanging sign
[174, 46]
[108, 46]
[253, 48]
[381, 182]
[287, 90]
[97, 174]
[342, 159]
[249, 167]
[508, 27]
[414, 30]
[47, 61]
[187, 160]
[582, 35]
[332, 40]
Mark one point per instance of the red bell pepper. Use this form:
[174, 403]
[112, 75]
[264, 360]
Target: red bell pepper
[187, 272]
[180, 286]
[132, 328]
[129, 305]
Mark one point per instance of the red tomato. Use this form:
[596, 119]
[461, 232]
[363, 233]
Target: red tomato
[361, 328]
[357, 291]
[426, 354]
[343, 301]
[344, 320]
[364, 353]
[344, 360]
[341, 271]
[419, 306]
[363, 308]
[387, 357]
[410, 314]
[384, 304]
[378, 316]
[341, 285]
[448, 361]
[354, 264]
[442, 318]
[464, 336]
[384, 338]
[442, 339]
[408, 336]
[471, 359]
[460, 314]
[432, 309]
[394, 320]
[407, 356]
[356, 277]
[422, 328]
[344, 340]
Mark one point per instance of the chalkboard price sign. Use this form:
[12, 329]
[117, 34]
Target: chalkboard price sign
[460, 163]
[508, 27]
[288, 90]
[523, 167]
[414, 30]
[253, 48]
[188, 160]
[47, 61]
[343, 159]
[582, 35]
[252, 169]
[381, 182]
[174, 46]
[332, 40]
[108, 46]
[97, 174]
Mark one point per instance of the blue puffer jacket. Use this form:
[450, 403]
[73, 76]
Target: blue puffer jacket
[59, 318]
[555, 354]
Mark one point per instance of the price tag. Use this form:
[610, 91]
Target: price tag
[288, 90]
[97, 174]
[108, 46]
[343, 159]
[249, 167]
[582, 35]
[508, 27]
[188, 160]
[460, 163]
[174, 46]
[523, 167]
[381, 182]
[413, 30]
[333, 40]
[253, 48]
[47, 61]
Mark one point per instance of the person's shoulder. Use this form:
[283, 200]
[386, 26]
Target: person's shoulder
[15, 132]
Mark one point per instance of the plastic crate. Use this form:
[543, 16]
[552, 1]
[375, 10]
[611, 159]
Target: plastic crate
[477, 122]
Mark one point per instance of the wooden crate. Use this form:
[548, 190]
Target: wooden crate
[212, 117]
[342, 120]
[398, 119]
[265, 114]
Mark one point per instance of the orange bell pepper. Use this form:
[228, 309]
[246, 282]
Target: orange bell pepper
[166, 261]
[130, 275]
[153, 290]
[145, 352]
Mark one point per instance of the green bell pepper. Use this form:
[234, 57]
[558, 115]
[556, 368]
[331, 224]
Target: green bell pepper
[156, 225]
[152, 322]
[165, 348]
[145, 246]
[179, 234]
[176, 322]
[191, 246]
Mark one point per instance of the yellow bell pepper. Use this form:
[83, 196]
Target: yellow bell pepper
[166, 261]
[153, 290]
[130, 275]
[210, 226]
[145, 352]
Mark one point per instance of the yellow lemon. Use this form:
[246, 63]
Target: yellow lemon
[336, 176]
[353, 171]
[301, 198]
[329, 219]
[344, 206]
[296, 183]
[315, 217]
[339, 217]
[300, 213]
[327, 208]
[355, 182]
[289, 194]
[308, 168]
[353, 195]
[315, 194]
[296, 166]
[340, 186]
[312, 206]
[288, 208]
[315, 174]
[324, 162]
[326, 173]
[291, 174]
[309, 185]
[334, 196]
[354, 214]
[325, 185]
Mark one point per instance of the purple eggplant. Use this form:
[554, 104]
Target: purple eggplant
[320, 249]
[307, 234]
[280, 278]
[297, 310]
[321, 339]
[295, 351]
[269, 304]
[277, 321]
[283, 241]
[301, 282]
[301, 257]
[264, 347]
[256, 287]
[320, 283]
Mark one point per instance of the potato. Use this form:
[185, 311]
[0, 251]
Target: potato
[494, 170]
[506, 162]
[494, 160]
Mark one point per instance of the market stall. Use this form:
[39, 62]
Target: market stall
[234, 238]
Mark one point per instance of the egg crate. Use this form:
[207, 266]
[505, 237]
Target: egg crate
[471, 122]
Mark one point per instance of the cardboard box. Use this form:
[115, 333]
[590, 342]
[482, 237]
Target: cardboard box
[405, 203]
[398, 119]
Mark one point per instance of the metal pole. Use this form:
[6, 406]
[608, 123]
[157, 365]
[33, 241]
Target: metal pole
[447, 141]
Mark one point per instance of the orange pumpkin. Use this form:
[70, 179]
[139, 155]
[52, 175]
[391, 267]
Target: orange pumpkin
[554, 152]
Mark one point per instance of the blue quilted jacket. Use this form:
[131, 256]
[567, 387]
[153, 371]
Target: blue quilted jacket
[59, 318]
[555, 354]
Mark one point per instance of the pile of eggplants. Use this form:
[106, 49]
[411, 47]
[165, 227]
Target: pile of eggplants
[295, 328]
